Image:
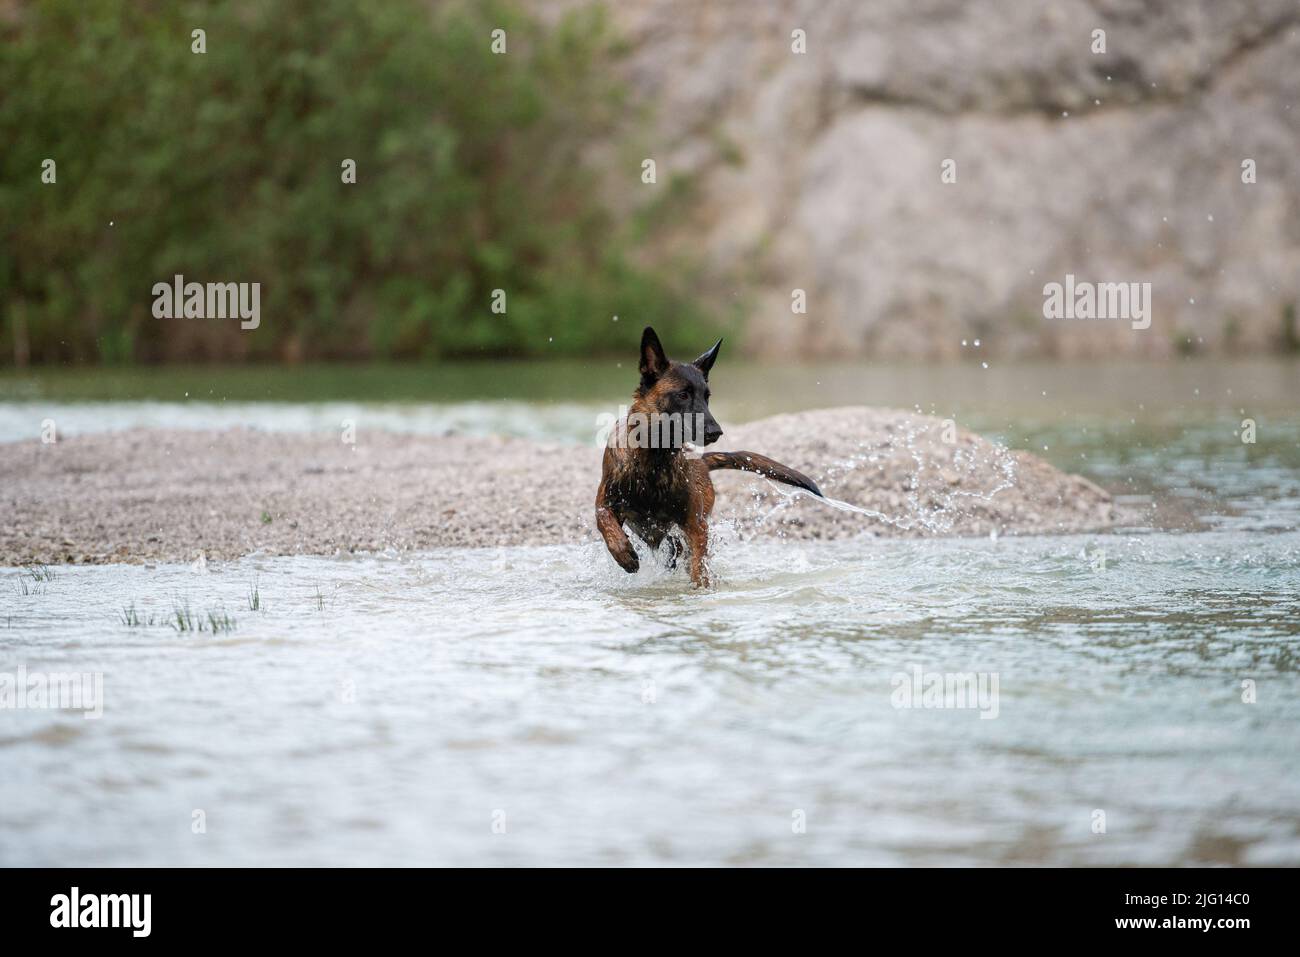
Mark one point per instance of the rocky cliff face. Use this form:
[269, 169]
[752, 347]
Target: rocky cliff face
[821, 170]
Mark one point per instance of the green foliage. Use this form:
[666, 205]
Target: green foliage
[472, 175]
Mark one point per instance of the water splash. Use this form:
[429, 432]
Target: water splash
[953, 504]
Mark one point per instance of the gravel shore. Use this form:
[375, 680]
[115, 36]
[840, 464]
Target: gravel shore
[152, 495]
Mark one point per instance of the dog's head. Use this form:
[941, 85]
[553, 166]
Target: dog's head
[678, 388]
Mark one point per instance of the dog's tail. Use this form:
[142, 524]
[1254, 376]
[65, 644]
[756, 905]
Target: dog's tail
[760, 465]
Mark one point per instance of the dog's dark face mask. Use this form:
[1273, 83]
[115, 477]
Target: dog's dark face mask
[679, 389]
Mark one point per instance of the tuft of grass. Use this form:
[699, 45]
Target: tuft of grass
[212, 622]
[320, 599]
[182, 619]
[133, 619]
[218, 621]
[40, 576]
[255, 597]
[266, 517]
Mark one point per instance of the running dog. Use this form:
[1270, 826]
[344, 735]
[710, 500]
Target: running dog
[649, 484]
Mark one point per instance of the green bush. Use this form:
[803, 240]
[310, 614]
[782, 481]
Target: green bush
[225, 166]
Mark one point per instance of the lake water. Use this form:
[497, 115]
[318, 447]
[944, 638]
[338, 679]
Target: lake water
[1140, 689]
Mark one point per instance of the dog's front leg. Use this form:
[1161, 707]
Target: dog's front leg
[616, 540]
[698, 507]
[697, 537]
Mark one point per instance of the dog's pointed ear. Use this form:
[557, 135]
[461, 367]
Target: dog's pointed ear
[653, 361]
[705, 362]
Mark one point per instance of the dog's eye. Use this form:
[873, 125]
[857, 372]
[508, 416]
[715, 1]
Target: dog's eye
[684, 394]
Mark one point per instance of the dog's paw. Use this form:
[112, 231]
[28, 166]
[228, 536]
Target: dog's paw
[625, 555]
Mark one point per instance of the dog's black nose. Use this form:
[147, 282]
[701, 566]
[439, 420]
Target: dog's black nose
[712, 435]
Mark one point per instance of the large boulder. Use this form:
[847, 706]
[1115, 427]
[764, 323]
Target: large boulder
[821, 171]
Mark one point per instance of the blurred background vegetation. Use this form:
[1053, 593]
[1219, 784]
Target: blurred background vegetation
[474, 173]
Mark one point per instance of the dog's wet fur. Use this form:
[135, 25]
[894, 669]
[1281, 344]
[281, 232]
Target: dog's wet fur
[654, 491]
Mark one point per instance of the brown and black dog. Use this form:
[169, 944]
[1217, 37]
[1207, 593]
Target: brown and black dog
[651, 485]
